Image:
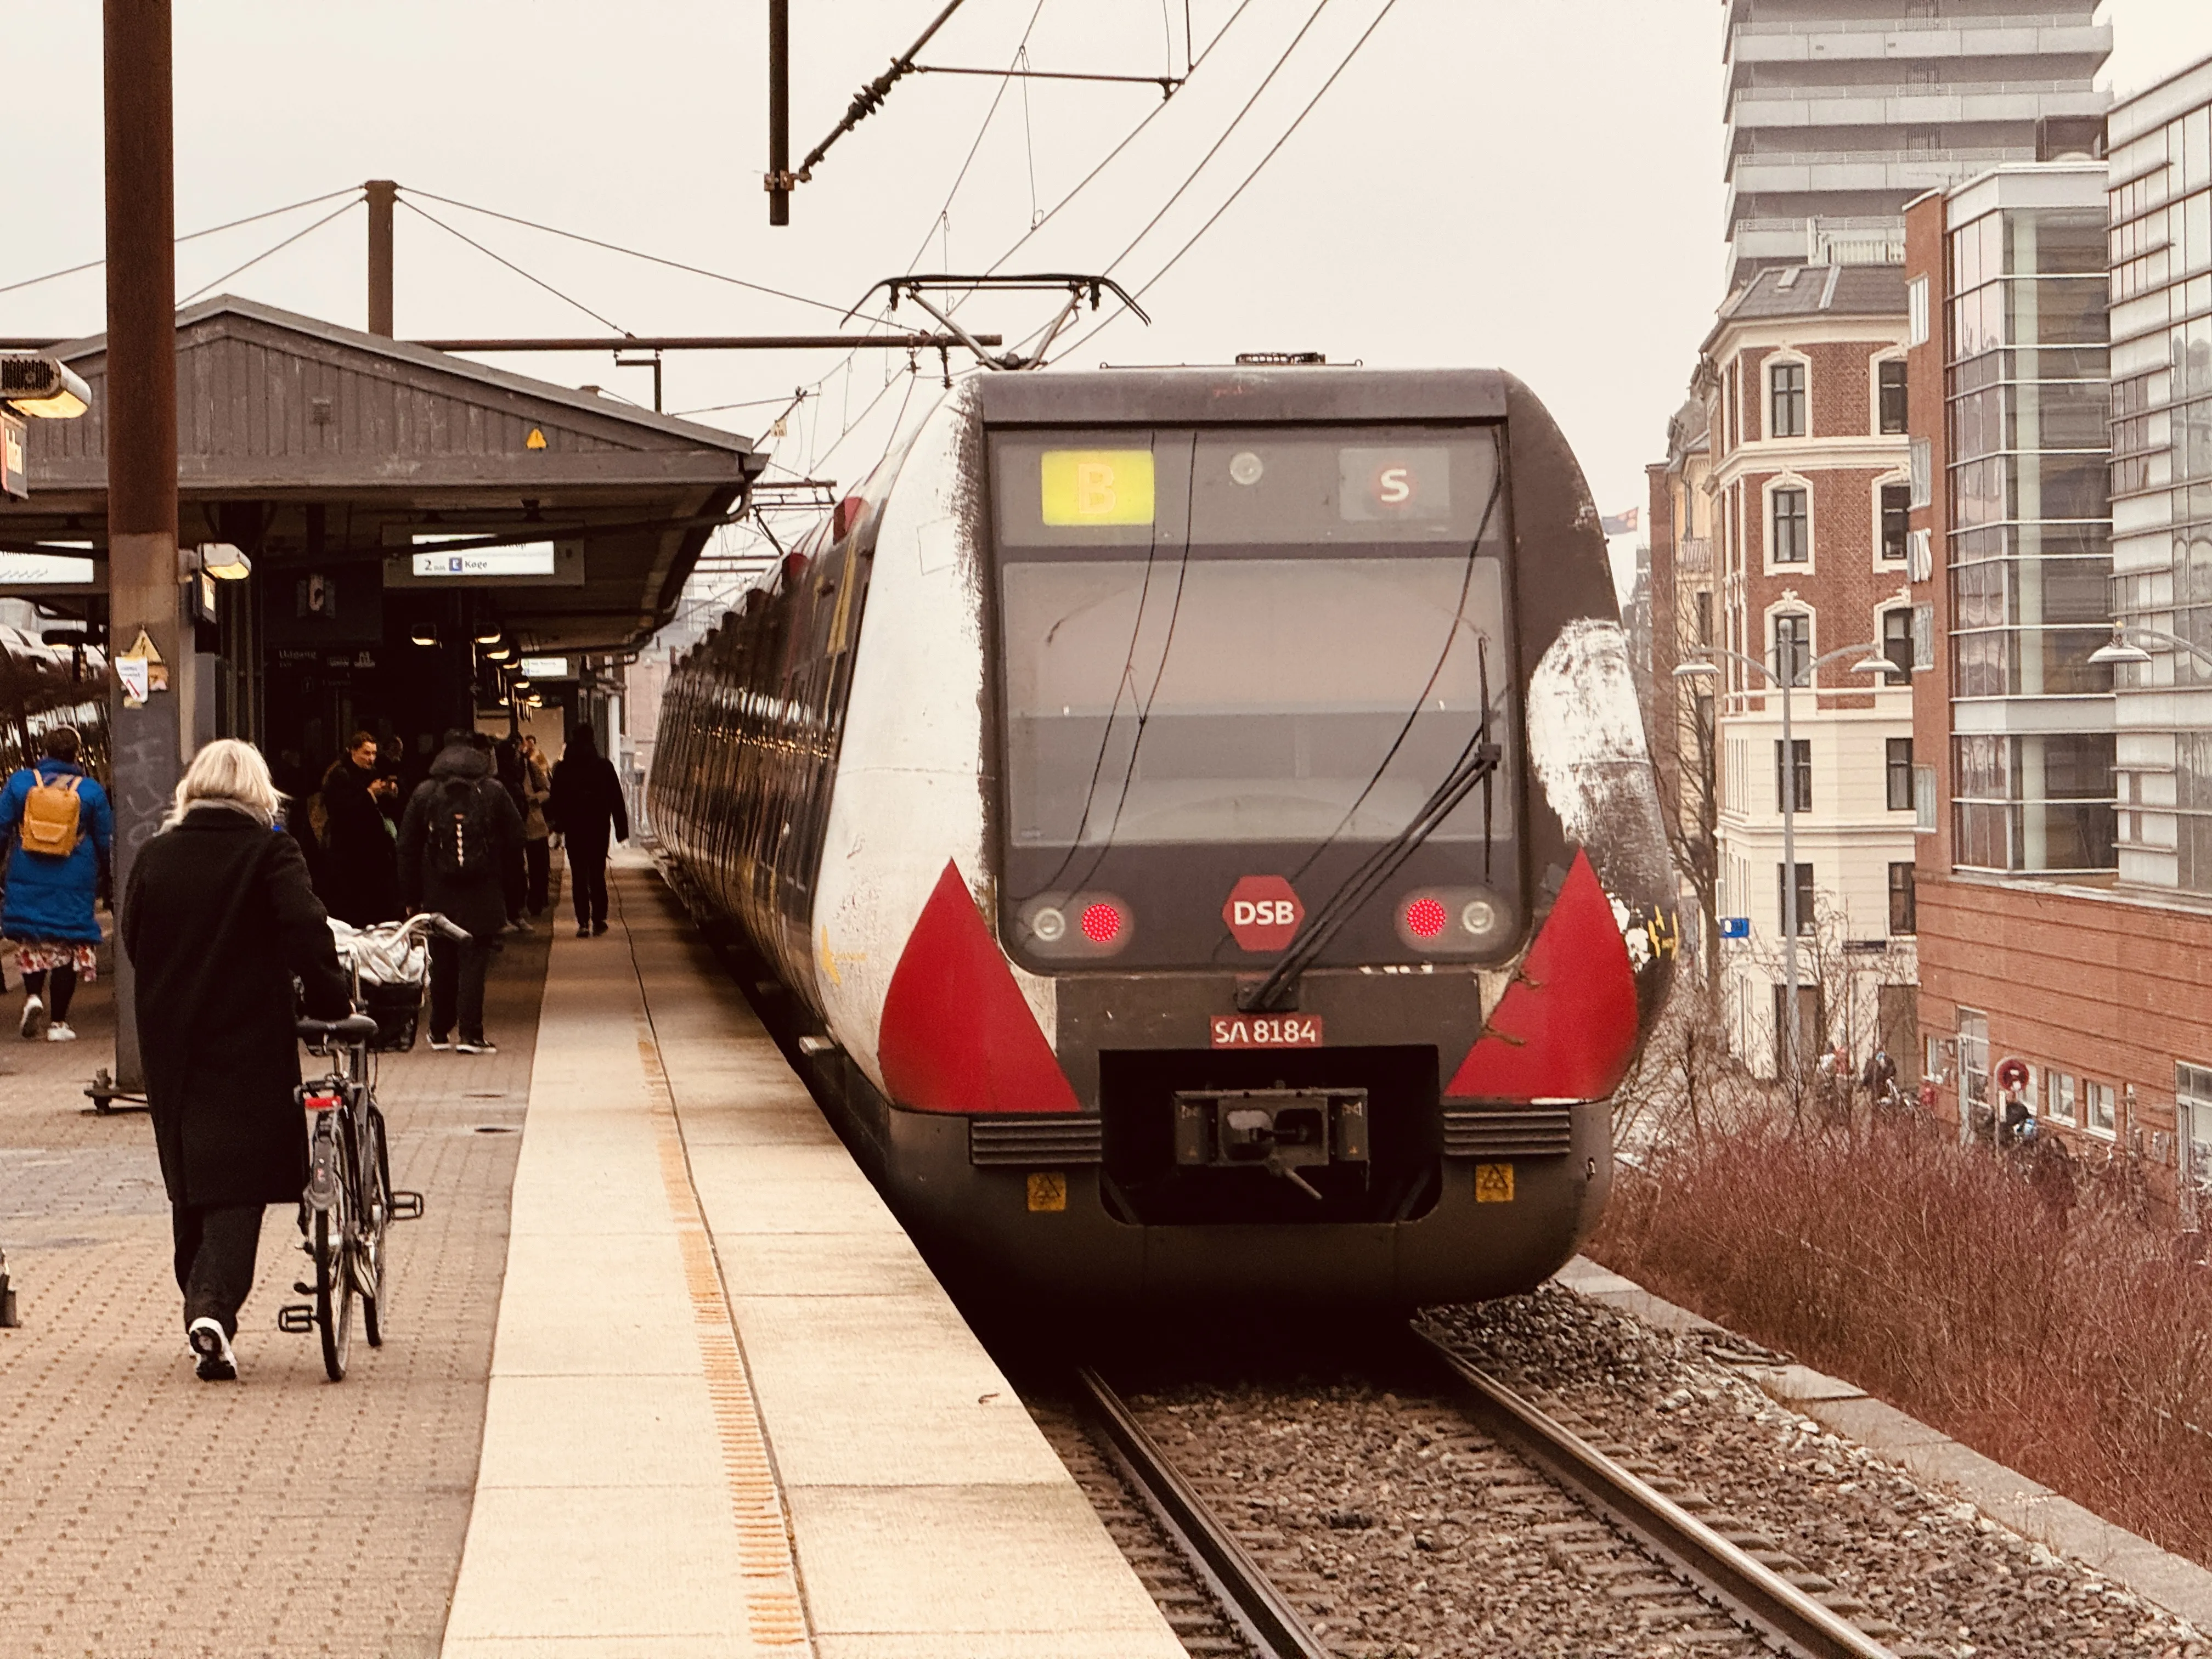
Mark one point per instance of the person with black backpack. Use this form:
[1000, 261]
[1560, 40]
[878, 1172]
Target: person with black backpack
[460, 843]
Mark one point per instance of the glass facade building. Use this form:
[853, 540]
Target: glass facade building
[2160, 157]
[2029, 555]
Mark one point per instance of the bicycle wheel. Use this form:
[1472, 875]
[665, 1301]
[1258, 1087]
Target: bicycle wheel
[375, 1223]
[334, 1284]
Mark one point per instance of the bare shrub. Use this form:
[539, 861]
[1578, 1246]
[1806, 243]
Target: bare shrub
[2023, 1307]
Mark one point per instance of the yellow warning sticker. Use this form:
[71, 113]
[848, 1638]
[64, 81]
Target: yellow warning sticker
[1047, 1191]
[1493, 1184]
[1096, 486]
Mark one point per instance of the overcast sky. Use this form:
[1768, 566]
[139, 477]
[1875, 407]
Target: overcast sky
[1534, 186]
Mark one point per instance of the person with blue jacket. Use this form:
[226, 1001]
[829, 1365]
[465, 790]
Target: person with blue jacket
[48, 913]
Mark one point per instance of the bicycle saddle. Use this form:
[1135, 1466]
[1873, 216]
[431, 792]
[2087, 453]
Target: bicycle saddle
[320, 1033]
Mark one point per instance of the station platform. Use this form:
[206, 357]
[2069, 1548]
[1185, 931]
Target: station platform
[730, 1412]
[665, 1378]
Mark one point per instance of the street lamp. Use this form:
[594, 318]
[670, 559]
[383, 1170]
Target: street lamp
[43, 388]
[2121, 648]
[1871, 662]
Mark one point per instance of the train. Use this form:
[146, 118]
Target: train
[1193, 831]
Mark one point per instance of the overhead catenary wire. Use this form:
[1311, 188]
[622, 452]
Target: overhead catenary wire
[353, 191]
[207, 287]
[630, 252]
[1114, 316]
[566, 299]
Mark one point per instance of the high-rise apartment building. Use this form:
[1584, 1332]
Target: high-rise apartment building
[1839, 112]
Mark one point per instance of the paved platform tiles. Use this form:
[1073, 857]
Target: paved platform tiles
[143, 1512]
[730, 1411]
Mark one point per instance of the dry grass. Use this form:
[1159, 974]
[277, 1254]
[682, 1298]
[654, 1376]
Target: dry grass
[2036, 1315]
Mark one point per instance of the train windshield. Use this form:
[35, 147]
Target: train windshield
[1268, 635]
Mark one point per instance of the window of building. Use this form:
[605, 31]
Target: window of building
[1923, 800]
[1897, 644]
[1896, 532]
[1798, 765]
[2098, 1106]
[1898, 774]
[1891, 377]
[1915, 306]
[1933, 1067]
[2192, 1121]
[1793, 648]
[1792, 542]
[1903, 915]
[1923, 454]
[2059, 1101]
[1704, 602]
[1923, 635]
[1785, 403]
[1973, 1055]
[1804, 899]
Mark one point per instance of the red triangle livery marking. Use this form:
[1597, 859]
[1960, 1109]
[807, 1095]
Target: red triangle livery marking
[1566, 1026]
[957, 1035]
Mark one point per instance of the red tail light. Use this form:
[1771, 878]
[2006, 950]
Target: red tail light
[323, 1102]
[1102, 923]
[1426, 918]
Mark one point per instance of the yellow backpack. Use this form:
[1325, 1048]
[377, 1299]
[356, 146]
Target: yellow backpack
[50, 816]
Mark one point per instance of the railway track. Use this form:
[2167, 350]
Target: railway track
[1658, 1559]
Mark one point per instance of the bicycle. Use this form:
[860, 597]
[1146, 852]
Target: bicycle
[349, 1201]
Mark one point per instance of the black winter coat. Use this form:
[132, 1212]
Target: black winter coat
[480, 902]
[359, 878]
[218, 918]
[587, 798]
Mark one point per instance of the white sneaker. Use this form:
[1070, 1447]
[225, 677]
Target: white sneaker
[59, 1032]
[34, 1019]
[475, 1046]
[217, 1364]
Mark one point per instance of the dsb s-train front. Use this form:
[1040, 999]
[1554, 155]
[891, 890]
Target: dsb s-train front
[1201, 824]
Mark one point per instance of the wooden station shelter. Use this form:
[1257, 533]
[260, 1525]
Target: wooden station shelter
[416, 524]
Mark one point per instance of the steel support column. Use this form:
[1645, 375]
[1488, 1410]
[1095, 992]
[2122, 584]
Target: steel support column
[140, 417]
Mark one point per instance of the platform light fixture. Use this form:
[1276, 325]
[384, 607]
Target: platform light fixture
[425, 634]
[43, 388]
[491, 636]
[225, 562]
[499, 653]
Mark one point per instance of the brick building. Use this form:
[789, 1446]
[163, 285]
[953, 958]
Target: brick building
[1804, 381]
[2064, 919]
[1683, 620]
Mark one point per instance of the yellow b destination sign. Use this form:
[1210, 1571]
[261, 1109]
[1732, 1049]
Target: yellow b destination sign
[1096, 486]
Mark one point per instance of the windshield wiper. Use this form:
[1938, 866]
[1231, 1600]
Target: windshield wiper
[1477, 763]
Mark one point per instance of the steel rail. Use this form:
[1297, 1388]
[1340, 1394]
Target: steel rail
[1747, 1589]
[1258, 1610]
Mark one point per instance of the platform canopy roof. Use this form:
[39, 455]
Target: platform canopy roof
[317, 447]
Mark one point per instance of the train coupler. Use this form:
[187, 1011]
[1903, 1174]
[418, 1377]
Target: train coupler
[1281, 1130]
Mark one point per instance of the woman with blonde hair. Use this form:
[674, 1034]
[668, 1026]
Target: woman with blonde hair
[219, 918]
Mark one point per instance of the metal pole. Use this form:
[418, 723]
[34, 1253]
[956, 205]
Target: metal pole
[778, 111]
[381, 193]
[140, 417]
[1789, 872]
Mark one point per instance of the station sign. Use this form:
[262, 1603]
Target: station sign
[530, 559]
[547, 668]
[14, 470]
[1735, 926]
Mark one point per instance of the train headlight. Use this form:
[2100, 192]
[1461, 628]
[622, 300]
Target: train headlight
[1074, 927]
[1443, 921]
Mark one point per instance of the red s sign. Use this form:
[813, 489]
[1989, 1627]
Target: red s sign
[1263, 913]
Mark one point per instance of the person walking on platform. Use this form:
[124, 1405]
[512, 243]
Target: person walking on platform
[61, 831]
[537, 833]
[587, 801]
[461, 853]
[359, 882]
[219, 918]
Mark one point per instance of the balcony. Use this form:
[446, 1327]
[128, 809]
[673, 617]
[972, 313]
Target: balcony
[1694, 555]
[1771, 110]
[2046, 36]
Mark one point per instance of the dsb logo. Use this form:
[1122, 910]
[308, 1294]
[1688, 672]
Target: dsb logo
[1263, 913]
